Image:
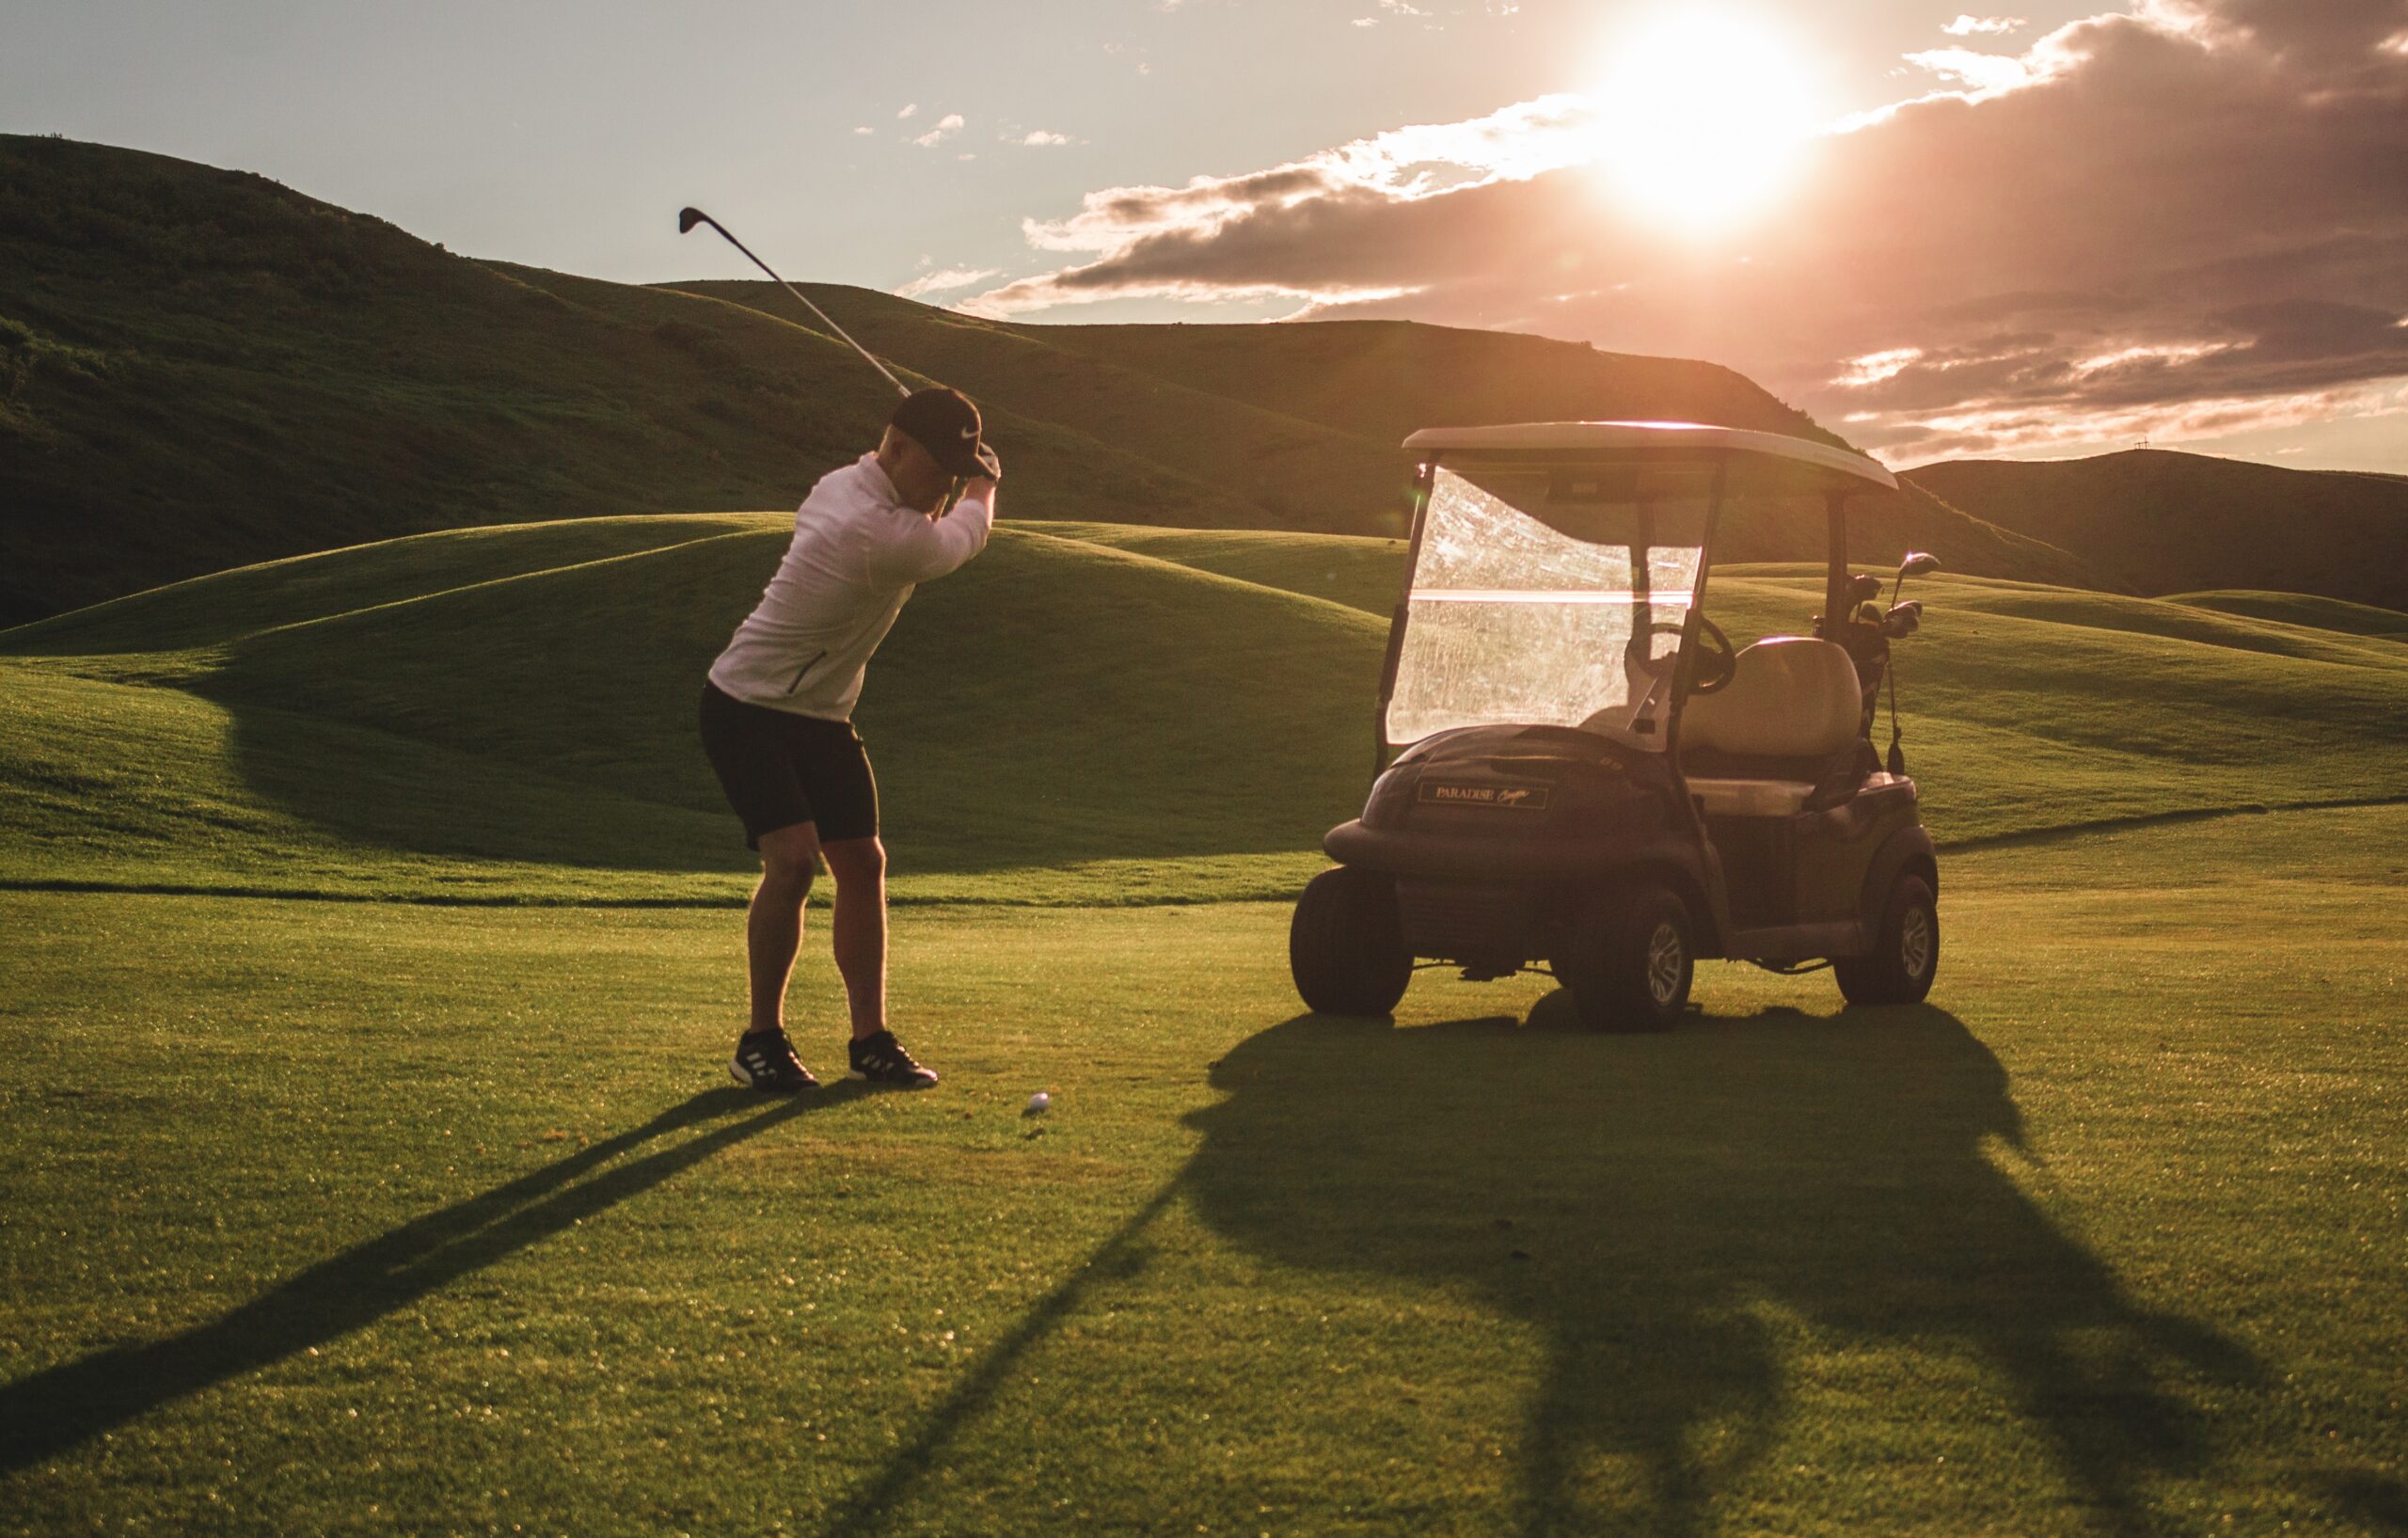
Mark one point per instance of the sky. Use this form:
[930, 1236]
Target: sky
[2052, 230]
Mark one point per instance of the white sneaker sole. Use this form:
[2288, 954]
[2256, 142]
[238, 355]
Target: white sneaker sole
[736, 1070]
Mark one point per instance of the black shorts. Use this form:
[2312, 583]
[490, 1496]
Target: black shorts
[779, 768]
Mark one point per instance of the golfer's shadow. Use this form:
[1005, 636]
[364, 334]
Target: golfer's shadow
[1660, 1192]
[51, 1412]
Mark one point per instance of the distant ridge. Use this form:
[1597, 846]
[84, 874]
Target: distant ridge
[1350, 392]
[201, 369]
[2159, 522]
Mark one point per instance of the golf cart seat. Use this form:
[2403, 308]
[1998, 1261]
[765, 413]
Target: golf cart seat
[1762, 744]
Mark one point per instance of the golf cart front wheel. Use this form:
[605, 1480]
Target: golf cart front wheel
[1346, 944]
[1631, 962]
[1905, 950]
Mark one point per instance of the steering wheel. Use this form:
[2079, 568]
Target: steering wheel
[1717, 660]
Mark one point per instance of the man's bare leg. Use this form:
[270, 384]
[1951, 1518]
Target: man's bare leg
[773, 923]
[859, 865]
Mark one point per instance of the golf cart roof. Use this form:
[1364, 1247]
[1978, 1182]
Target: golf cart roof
[1768, 460]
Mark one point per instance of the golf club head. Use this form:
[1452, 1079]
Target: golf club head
[1917, 562]
[1904, 620]
[688, 217]
[1864, 588]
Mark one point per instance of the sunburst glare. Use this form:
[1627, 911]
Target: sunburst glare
[1704, 118]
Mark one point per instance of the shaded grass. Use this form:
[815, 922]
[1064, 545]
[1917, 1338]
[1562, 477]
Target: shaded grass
[2100, 1241]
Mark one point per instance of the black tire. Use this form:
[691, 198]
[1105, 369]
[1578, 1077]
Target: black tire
[1905, 950]
[1346, 944]
[1632, 962]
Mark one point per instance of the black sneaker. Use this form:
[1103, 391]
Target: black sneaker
[881, 1059]
[766, 1060]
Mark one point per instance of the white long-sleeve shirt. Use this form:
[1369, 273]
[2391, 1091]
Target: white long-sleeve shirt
[857, 552]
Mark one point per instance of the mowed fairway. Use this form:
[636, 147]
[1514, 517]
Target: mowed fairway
[381, 1217]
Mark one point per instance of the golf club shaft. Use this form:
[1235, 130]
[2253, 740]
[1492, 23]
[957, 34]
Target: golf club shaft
[900, 388]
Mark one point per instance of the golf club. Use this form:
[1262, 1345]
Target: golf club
[688, 217]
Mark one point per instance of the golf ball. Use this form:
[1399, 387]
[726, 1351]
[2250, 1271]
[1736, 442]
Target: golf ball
[1039, 1101]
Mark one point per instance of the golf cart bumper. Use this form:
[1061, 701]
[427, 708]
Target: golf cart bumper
[1495, 903]
[1417, 855]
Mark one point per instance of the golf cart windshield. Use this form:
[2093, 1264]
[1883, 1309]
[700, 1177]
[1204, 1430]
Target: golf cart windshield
[1549, 594]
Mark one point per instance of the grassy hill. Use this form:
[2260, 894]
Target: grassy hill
[1306, 419]
[1093, 713]
[1296, 471]
[200, 369]
[2159, 522]
[2305, 610]
[1106, 746]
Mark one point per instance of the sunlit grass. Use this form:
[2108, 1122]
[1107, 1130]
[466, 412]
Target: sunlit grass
[374, 1218]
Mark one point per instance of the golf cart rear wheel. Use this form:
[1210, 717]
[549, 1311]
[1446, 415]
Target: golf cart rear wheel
[1346, 944]
[1632, 963]
[1906, 953]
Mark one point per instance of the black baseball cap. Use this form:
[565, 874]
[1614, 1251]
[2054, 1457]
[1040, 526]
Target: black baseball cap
[944, 422]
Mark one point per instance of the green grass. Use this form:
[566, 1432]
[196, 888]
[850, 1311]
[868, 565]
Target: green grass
[2104, 1239]
[1087, 714]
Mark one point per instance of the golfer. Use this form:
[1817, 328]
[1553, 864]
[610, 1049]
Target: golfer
[777, 716]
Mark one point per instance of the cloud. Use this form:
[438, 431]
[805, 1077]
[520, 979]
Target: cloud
[944, 279]
[1037, 137]
[911, 109]
[947, 126]
[1404, 163]
[1977, 73]
[863, 130]
[2149, 216]
[1979, 27]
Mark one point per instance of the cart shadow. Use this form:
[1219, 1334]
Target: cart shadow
[1646, 1201]
[56, 1410]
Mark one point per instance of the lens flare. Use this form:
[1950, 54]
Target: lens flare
[1703, 119]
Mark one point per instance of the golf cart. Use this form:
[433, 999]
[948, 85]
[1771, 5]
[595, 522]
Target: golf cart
[1593, 779]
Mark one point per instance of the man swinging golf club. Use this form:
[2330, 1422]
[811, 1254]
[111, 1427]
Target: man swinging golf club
[777, 716]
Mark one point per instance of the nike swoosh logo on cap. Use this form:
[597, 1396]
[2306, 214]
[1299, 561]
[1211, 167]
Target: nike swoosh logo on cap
[969, 435]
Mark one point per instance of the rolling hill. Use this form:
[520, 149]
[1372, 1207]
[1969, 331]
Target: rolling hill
[2158, 522]
[504, 713]
[1350, 392]
[201, 369]
[2304, 608]
[205, 369]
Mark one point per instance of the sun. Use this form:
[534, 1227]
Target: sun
[1704, 118]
